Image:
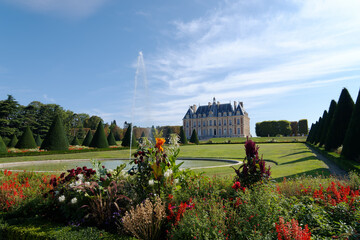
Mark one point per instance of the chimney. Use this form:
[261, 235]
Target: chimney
[194, 108]
[241, 104]
[218, 103]
[235, 103]
[209, 104]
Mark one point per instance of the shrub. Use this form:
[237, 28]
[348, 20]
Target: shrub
[111, 139]
[145, 221]
[303, 126]
[340, 121]
[99, 140]
[3, 148]
[351, 146]
[38, 140]
[13, 141]
[88, 138]
[56, 138]
[327, 122]
[183, 138]
[127, 138]
[26, 140]
[194, 138]
[75, 141]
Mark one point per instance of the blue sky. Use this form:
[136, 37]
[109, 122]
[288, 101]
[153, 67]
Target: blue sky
[283, 59]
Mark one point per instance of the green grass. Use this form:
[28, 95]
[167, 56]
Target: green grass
[257, 139]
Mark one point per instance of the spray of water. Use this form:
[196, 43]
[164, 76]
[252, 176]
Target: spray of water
[140, 73]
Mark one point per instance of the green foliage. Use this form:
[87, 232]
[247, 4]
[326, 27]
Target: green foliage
[194, 138]
[38, 140]
[92, 122]
[327, 122]
[75, 141]
[183, 138]
[321, 128]
[340, 121]
[316, 134]
[9, 108]
[303, 126]
[26, 140]
[99, 140]
[88, 138]
[127, 138]
[294, 128]
[111, 139]
[273, 128]
[56, 138]
[13, 141]
[3, 148]
[351, 146]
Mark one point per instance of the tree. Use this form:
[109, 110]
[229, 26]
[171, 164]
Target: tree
[38, 140]
[75, 141]
[303, 126]
[294, 128]
[194, 138]
[340, 121]
[284, 127]
[56, 138]
[99, 139]
[315, 139]
[13, 141]
[308, 139]
[80, 134]
[92, 122]
[8, 116]
[127, 138]
[3, 148]
[183, 138]
[327, 122]
[321, 127]
[26, 140]
[351, 146]
[142, 137]
[88, 138]
[111, 139]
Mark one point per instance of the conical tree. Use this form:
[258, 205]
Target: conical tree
[321, 128]
[88, 138]
[142, 137]
[308, 139]
[127, 137]
[329, 117]
[351, 146]
[183, 138]
[316, 128]
[3, 148]
[56, 138]
[75, 141]
[38, 140]
[13, 142]
[111, 139]
[26, 140]
[99, 140]
[194, 137]
[340, 121]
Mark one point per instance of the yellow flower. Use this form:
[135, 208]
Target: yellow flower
[159, 143]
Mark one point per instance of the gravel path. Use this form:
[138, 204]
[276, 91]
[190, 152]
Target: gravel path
[333, 168]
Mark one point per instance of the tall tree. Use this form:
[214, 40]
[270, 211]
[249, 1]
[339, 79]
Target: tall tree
[340, 121]
[294, 128]
[111, 139]
[194, 138]
[8, 120]
[38, 140]
[327, 122]
[26, 141]
[3, 148]
[303, 126]
[351, 146]
[321, 128]
[88, 138]
[127, 138]
[13, 141]
[183, 138]
[99, 139]
[56, 138]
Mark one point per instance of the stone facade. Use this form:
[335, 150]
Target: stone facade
[217, 120]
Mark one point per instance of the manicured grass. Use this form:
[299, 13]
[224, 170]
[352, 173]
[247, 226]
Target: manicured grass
[257, 139]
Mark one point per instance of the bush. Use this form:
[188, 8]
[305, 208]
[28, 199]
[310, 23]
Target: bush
[327, 122]
[303, 126]
[111, 139]
[88, 138]
[183, 138]
[127, 138]
[194, 138]
[38, 140]
[13, 141]
[75, 141]
[26, 140]
[56, 138]
[99, 140]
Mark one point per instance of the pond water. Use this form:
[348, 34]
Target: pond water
[64, 165]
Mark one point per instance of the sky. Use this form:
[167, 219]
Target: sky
[284, 59]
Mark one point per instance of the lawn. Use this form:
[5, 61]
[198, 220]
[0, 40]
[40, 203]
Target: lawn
[257, 139]
[285, 159]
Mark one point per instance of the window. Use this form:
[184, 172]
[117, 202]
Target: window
[230, 131]
[220, 122]
[224, 131]
[238, 121]
[199, 131]
[203, 123]
[230, 123]
[214, 132]
[194, 124]
[210, 122]
[219, 131]
[204, 132]
[187, 124]
[210, 132]
[214, 122]
[238, 131]
[199, 123]
[224, 122]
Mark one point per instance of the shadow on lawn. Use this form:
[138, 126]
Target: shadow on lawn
[291, 154]
[314, 173]
[300, 160]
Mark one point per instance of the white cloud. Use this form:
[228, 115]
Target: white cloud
[69, 8]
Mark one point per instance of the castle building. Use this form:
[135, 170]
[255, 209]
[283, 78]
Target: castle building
[217, 120]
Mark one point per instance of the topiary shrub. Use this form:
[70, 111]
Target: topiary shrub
[38, 140]
[194, 138]
[56, 138]
[3, 148]
[127, 137]
[26, 140]
[88, 138]
[75, 141]
[111, 139]
[13, 142]
[99, 140]
[183, 138]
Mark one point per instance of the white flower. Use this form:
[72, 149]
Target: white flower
[74, 200]
[168, 173]
[71, 185]
[78, 183]
[56, 193]
[151, 182]
[87, 184]
[61, 198]
[176, 181]
[80, 176]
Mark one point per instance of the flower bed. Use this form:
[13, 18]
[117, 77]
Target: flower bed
[158, 200]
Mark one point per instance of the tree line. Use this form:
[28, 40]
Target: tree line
[339, 127]
[282, 127]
